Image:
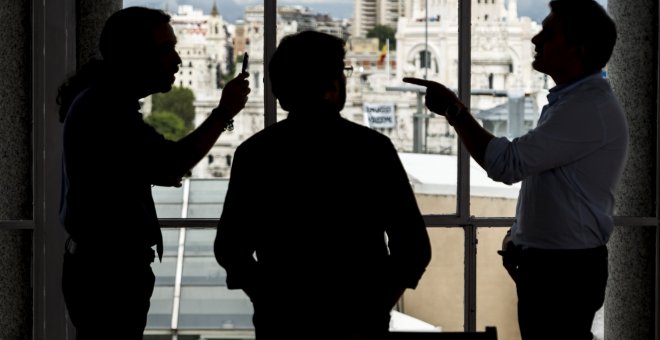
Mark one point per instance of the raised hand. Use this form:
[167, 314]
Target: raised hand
[234, 95]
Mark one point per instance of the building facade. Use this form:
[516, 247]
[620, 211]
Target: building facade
[205, 48]
[427, 47]
[368, 14]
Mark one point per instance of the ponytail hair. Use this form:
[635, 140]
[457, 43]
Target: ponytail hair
[76, 83]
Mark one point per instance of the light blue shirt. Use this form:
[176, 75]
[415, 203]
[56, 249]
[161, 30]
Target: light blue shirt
[569, 166]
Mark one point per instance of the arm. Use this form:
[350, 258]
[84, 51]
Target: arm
[439, 99]
[394, 295]
[572, 131]
[234, 241]
[193, 147]
[408, 240]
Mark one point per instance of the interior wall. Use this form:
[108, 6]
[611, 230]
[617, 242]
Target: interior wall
[15, 170]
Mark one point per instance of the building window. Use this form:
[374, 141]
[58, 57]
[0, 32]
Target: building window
[425, 59]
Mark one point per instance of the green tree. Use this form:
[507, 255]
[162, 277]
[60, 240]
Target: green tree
[179, 100]
[167, 123]
[383, 33]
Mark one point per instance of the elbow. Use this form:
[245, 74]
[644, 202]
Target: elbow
[505, 175]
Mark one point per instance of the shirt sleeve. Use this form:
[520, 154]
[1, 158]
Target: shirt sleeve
[571, 130]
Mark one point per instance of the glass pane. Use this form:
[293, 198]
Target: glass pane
[433, 178]
[507, 93]
[424, 46]
[160, 311]
[205, 300]
[165, 271]
[214, 308]
[170, 242]
[206, 197]
[202, 271]
[169, 201]
[199, 242]
[496, 291]
[439, 296]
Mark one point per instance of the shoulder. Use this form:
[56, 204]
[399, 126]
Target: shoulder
[340, 129]
[363, 132]
[264, 138]
[93, 99]
[593, 96]
[593, 90]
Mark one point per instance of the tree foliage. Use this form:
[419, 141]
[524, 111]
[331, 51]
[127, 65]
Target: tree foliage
[167, 123]
[383, 33]
[179, 101]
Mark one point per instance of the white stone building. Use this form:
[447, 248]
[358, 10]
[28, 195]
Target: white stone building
[502, 54]
[250, 38]
[501, 49]
[369, 13]
[205, 49]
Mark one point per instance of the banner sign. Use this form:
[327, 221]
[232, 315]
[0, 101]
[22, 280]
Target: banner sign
[379, 116]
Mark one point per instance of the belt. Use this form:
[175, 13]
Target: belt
[147, 254]
[555, 252]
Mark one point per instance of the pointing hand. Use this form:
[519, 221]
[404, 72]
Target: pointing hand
[438, 97]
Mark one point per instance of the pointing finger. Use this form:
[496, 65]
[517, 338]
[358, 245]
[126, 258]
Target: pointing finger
[417, 81]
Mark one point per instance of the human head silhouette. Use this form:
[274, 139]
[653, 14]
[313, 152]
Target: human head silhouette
[307, 70]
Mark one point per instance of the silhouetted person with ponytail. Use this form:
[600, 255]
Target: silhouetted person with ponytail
[111, 159]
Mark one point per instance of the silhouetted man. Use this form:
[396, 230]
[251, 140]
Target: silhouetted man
[320, 226]
[569, 166]
[111, 160]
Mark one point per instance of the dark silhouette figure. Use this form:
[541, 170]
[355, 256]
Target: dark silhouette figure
[569, 166]
[320, 226]
[111, 160]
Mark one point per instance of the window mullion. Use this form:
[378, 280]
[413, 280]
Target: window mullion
[463, 190]
[464, 64]
[270, 42]
[53, 58]
[176, 302]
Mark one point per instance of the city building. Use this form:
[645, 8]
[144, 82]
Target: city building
[501, 63]
[205, 48]
[502, 54]
[371, 13]
[249, 36]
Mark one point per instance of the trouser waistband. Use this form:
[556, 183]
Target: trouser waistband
[118, 252]
[586, 251]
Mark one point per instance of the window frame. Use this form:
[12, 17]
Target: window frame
[462, 218]
[53, 58]
[54, 37]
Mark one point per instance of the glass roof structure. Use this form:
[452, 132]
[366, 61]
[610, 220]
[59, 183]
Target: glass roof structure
[190, 292]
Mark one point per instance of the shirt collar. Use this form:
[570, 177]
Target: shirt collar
[559, 91]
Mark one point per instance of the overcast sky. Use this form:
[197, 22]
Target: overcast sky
[232, 10]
